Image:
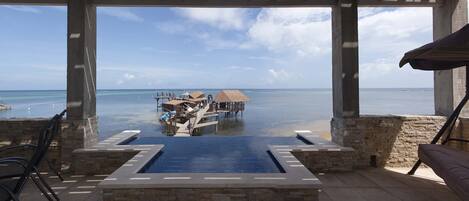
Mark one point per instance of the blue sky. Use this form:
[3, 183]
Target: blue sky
[210, 48]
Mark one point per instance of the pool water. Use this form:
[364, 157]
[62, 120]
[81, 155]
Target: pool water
[246, 154]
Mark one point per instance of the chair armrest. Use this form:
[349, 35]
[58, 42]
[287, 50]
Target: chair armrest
[22, 159]
[458, 140]
[28, 146]
[16, 162]
[9, 176]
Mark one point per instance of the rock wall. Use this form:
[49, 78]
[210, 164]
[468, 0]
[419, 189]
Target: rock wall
[386, 140]
[73, 135]
[326, 160]
[26, 131]
[211, 194]
[78, 134]
[93, 161]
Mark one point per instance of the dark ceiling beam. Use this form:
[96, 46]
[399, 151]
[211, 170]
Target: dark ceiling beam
[399, 3]
[35, 2]
[218, 3]
[234, 3]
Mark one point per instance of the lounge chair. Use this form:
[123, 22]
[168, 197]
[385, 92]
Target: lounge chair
[15, 171]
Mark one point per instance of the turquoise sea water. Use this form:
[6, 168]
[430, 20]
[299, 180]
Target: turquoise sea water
[272, 112]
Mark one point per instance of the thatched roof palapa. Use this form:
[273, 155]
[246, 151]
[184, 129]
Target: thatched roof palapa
[177, 102]
[195, 100]
[226, 96]
[197, 94]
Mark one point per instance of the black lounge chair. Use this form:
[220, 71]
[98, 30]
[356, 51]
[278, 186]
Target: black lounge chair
[15, 171]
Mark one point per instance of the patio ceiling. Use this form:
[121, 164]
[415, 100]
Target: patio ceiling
[234, 3]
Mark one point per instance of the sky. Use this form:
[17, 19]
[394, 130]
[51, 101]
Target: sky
[151, 48]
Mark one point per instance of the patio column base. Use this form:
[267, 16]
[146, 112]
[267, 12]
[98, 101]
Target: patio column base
[77, 134]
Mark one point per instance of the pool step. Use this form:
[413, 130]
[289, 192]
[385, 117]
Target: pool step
[323, 155]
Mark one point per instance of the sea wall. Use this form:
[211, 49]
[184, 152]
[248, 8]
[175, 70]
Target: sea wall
[387, 140]
[17, 131]
[26, 131]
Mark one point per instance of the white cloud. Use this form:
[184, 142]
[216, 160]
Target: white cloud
[368, 12]
[122, 14]
[242, 68]
[27, 9]
[395, 25]
[126, 77]
[158, 76]
[280, 74]
[129, 76]
[302, 31]
[222, 18]
[377, 67]
[214, 41]
[386, 35]
[171, 27]
[155, 50]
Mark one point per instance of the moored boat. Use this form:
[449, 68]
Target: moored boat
[4, 107]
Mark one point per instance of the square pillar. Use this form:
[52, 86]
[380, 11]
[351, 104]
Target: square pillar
[449, 85]
[345, 92]
[80, 129]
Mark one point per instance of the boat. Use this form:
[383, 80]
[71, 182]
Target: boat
[4, 107]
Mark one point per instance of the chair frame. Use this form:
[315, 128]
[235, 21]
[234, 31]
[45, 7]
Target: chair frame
[30, 166]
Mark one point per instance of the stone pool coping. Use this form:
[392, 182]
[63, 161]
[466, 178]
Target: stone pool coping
[127, 177]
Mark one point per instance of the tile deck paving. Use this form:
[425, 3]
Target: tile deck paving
[359, 185]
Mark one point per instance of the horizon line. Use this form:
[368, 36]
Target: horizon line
[156, 89]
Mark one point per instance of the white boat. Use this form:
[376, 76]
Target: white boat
[4, 107]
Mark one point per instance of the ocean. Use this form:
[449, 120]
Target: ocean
[270, 112]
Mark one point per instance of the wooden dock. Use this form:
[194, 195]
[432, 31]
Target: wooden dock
[187, 128]
[187, 113]
[163, 96]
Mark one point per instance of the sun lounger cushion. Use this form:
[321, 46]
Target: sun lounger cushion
[450, 164]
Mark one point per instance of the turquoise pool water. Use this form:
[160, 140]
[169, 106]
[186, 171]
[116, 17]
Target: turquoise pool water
[247, 154]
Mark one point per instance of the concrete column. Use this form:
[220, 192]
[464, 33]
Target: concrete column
[345, 79]
[80, 130]
[345, 59]
[449, 85]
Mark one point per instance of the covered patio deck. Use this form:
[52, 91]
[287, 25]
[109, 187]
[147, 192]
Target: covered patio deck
[391, 184]
[373, 138]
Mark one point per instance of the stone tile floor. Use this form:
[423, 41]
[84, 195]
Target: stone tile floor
[73, 188]
[366, 185]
